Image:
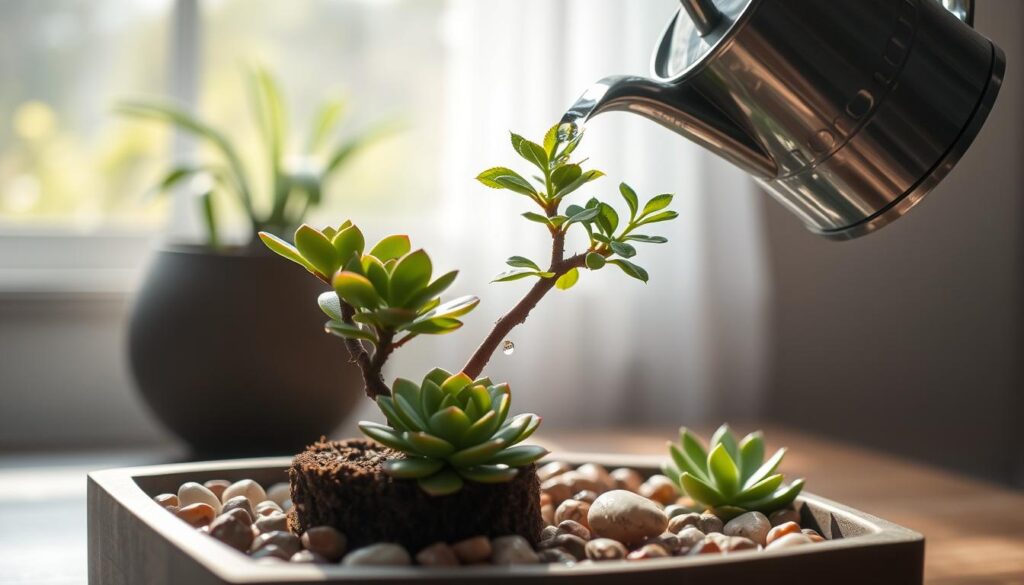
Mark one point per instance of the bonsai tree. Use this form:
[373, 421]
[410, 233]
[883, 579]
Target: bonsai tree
[455, 427]
[294, 187]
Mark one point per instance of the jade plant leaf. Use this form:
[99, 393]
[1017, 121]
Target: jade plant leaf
[391, 247]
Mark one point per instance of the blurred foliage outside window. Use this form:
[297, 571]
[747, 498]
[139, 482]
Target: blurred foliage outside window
[67, 162]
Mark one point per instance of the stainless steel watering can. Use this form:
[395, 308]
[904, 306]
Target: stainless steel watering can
[847, 111]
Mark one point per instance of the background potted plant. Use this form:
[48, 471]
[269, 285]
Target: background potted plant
[222, 342]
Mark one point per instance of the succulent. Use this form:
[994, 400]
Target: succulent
[452, 429]
[389, 289]
[734, 477]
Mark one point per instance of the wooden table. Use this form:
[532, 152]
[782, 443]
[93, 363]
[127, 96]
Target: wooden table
[974, 530]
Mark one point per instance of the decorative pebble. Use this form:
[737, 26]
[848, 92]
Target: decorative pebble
[789, 541]
[548, 531]
[438, 554]
[193, 493]
[246, 487]
[326, 541]
[271, 522]
[556, 555]
[782, 530]
[709, 523]
[752, 525]
[552, 469]
[627, 479]
[587, 496]
[271, 551]
[167, 500]
[598, 474]
[736, 543]
[279, 492]
[382, 553]
[545, 499]
[198, 514]
[571, 527]
[267, 507]
[572, 510]
[677, 523]
[547, 514]
[625, 517]
[813, 535]
[238, 503]
[287, 505]
[660, 489]
[579, 482]
[648, 551]
[307, 556]
[784, 515]
[689, 537]
[241, 514]
[557, 490]
[232, 530]
[705, 547]
[513, 550]
[217, 486]
[570, 543]
[668, 540]
[673, 510]
[472, 550]
[287, 542]
[605, 549]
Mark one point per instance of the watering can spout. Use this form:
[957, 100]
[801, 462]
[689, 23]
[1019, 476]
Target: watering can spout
[681, 110]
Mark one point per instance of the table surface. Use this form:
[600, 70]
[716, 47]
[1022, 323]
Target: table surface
[974, 530]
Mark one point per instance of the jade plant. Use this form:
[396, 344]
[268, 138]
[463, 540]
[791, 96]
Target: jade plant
[455, 427]
[733, 477]
[295, 179]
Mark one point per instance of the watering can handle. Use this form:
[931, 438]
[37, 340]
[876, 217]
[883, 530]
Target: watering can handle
[705, 14]
[962, 9]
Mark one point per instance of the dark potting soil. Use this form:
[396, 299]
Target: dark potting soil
[343, 484]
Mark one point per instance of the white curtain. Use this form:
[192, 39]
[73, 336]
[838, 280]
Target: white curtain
[687, 346]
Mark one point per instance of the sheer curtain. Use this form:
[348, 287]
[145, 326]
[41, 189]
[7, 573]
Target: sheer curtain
[687, 346]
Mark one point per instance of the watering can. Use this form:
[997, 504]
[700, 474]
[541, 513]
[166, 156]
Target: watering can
[846, 111]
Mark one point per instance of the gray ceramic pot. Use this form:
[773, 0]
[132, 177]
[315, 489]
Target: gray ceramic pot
[229, 351]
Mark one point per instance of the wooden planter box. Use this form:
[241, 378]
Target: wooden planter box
[132, 540]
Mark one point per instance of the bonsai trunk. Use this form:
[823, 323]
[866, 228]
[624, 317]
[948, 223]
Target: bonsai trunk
[343, 484]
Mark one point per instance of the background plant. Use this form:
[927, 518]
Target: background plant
[295, 179]
[733, 477]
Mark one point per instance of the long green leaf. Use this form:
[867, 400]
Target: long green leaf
[384, 435]
[723, 471]
[701, 491]
[286, 250]
[488, 473]
[412, 468]
[751, 454]
[442, 483]
[519, 455]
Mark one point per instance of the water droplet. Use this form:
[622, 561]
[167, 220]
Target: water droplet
[568, 131]
[508, 347]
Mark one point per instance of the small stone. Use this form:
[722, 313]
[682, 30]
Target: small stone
[238, 503]
[267, 507]
[784, 515]
[605, 549]
[579, 482]
[287, 505]
[549, 531]
[167, 500]
[438, 554]
[668, 540]
[307, 556]
[545, 499]
[241, 514]
[287, 541]
[587, 496]
[248, 488]
[673, 510]
[689, 537]
[557, 490]
[272, 522]
[271, 551]
[782, 530]
[572, 510]
[752, 525]
[789, 541]
[813, 535]
[552, 469]
[570, 543]
[597, 473]
[709, 523]
[473, 550]
[627, 479]
[232, 530]
[571, 527]
[196, 515]
[556, 555]
[279, 492]
[217, 486]
[513, 550]
[547, 514]
[382, 553]
[737, 543]
[660, 489]
[626, 517]
[648, 551]
[193, 493]
[325, 541]
[678, 523]
[706, 547]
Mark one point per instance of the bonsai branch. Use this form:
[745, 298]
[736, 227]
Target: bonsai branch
[370, 367]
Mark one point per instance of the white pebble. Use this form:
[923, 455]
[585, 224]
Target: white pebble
[382, 553]
[248, 488]
[194, 493]
[279, 492]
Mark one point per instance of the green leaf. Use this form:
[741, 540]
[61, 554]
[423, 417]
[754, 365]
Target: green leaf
[631, 269]
[387, 406]
[453, 308]
[551, 141]
[700, 490]
[685, 463]
[531, 427]
[317, 249]
[437, 376]
[412, 468]
[476, 454]
[437, 326]
[501, 404]
[450, 424]
[356, 290]
[324, 122]
[657, 217]
[519, 455]
[723, 471]
[391, 247]
[376, 274]
[631, 199]
[429, 445]
[725, 436]
[442, 483]
[406, 398]
[780, 499]
[531, 151]
[385, 436]
[751, 454]
[583, 179]
[482, 429]
[506, 178]
[656, 203]
[761, 489]
[607, 219]
[530, 215]
[510, 275]
[455, 383]
[410, 275]
[488, 473]
[646, 239]
[521, 262]
[766, 469]
[583, 216]
[432, 290]
[348, 242]
[430, 397]
[286, 250]
[510, 432]
[564, 176]
[694, 450]
[567, 280]
[623, 249]
[595, 261]
[330, 304]
[346, 330]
